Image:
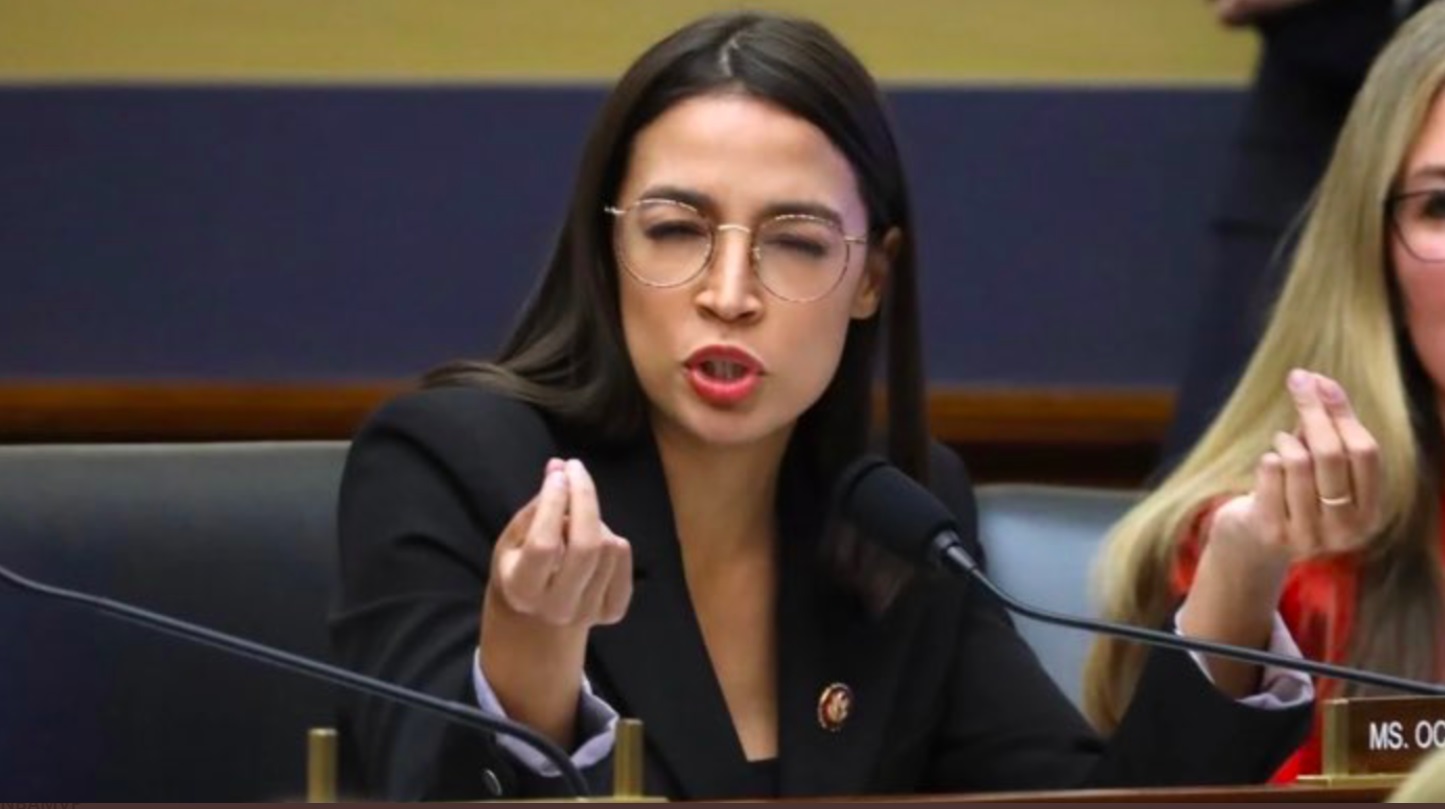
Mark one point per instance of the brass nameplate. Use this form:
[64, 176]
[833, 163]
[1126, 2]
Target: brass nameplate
[1380, 735]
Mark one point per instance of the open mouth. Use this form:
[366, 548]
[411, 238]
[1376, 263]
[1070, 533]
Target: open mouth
[724, 370]
[723, 376]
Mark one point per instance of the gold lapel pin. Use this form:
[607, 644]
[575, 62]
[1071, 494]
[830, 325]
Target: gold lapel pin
[834, 706]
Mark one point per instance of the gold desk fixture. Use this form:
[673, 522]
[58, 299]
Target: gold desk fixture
[627, 761]
[1377, 741]
[321, 765]
[627, 767]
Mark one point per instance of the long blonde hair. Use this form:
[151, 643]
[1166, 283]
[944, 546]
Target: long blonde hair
[1337, 314]
[1426, 782]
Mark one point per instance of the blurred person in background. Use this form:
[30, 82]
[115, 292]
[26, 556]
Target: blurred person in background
[1314, 56]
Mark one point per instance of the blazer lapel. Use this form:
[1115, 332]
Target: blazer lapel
[828, 641]
[655, 660]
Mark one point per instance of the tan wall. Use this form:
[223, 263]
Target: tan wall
[903, 41]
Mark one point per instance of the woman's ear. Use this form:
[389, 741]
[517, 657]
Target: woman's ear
[876, 269]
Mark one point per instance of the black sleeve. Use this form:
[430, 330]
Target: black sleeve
[1007, 726]
[429, 484]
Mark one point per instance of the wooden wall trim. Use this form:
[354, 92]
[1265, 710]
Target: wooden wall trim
[1050, 416]
[184, 411]
[195, 411]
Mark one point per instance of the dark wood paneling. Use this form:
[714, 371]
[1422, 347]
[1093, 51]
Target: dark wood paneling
[1107, 436]
[184, 411]
[1100, 437]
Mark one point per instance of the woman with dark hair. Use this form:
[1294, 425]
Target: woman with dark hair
[627, 509]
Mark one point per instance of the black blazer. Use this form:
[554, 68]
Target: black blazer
[947, 697]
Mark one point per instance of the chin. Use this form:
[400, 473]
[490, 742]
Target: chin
[723, 428]
[728, 429]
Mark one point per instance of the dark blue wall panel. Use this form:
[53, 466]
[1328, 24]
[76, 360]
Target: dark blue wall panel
[304, 233]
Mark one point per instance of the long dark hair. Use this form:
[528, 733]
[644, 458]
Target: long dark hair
[567, 355]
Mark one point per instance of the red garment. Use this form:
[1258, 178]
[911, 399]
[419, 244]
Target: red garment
[1317, 606]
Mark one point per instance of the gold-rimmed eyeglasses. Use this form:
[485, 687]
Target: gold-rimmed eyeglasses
[667, 243]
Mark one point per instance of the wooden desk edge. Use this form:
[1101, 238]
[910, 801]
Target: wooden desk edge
[1288, 793]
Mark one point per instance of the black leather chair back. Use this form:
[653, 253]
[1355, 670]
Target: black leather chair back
[237, 537]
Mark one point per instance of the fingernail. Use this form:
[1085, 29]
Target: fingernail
[574, 466]
[556, 478]
[1331, 391]
[1299, 381]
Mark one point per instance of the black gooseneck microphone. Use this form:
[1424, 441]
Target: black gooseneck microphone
[325, 672]
[895, 511]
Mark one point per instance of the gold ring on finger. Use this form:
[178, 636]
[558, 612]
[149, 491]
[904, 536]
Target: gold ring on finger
[1336, 502]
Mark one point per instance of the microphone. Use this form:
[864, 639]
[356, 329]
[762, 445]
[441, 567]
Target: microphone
[335, 675]
[903, 516]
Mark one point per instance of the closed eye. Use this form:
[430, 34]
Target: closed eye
[674, 231]
[801, 245]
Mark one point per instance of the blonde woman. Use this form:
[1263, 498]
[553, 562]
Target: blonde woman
[1324, 466]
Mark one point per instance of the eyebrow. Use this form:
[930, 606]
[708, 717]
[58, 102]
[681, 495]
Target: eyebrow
[706, 204]
[1429, 171]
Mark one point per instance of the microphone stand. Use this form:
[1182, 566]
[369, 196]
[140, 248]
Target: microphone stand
[951, 554]
[327, 673]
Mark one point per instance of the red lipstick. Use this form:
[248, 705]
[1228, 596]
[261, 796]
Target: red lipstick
[723, 376]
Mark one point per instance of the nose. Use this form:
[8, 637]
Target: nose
[731, 291]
